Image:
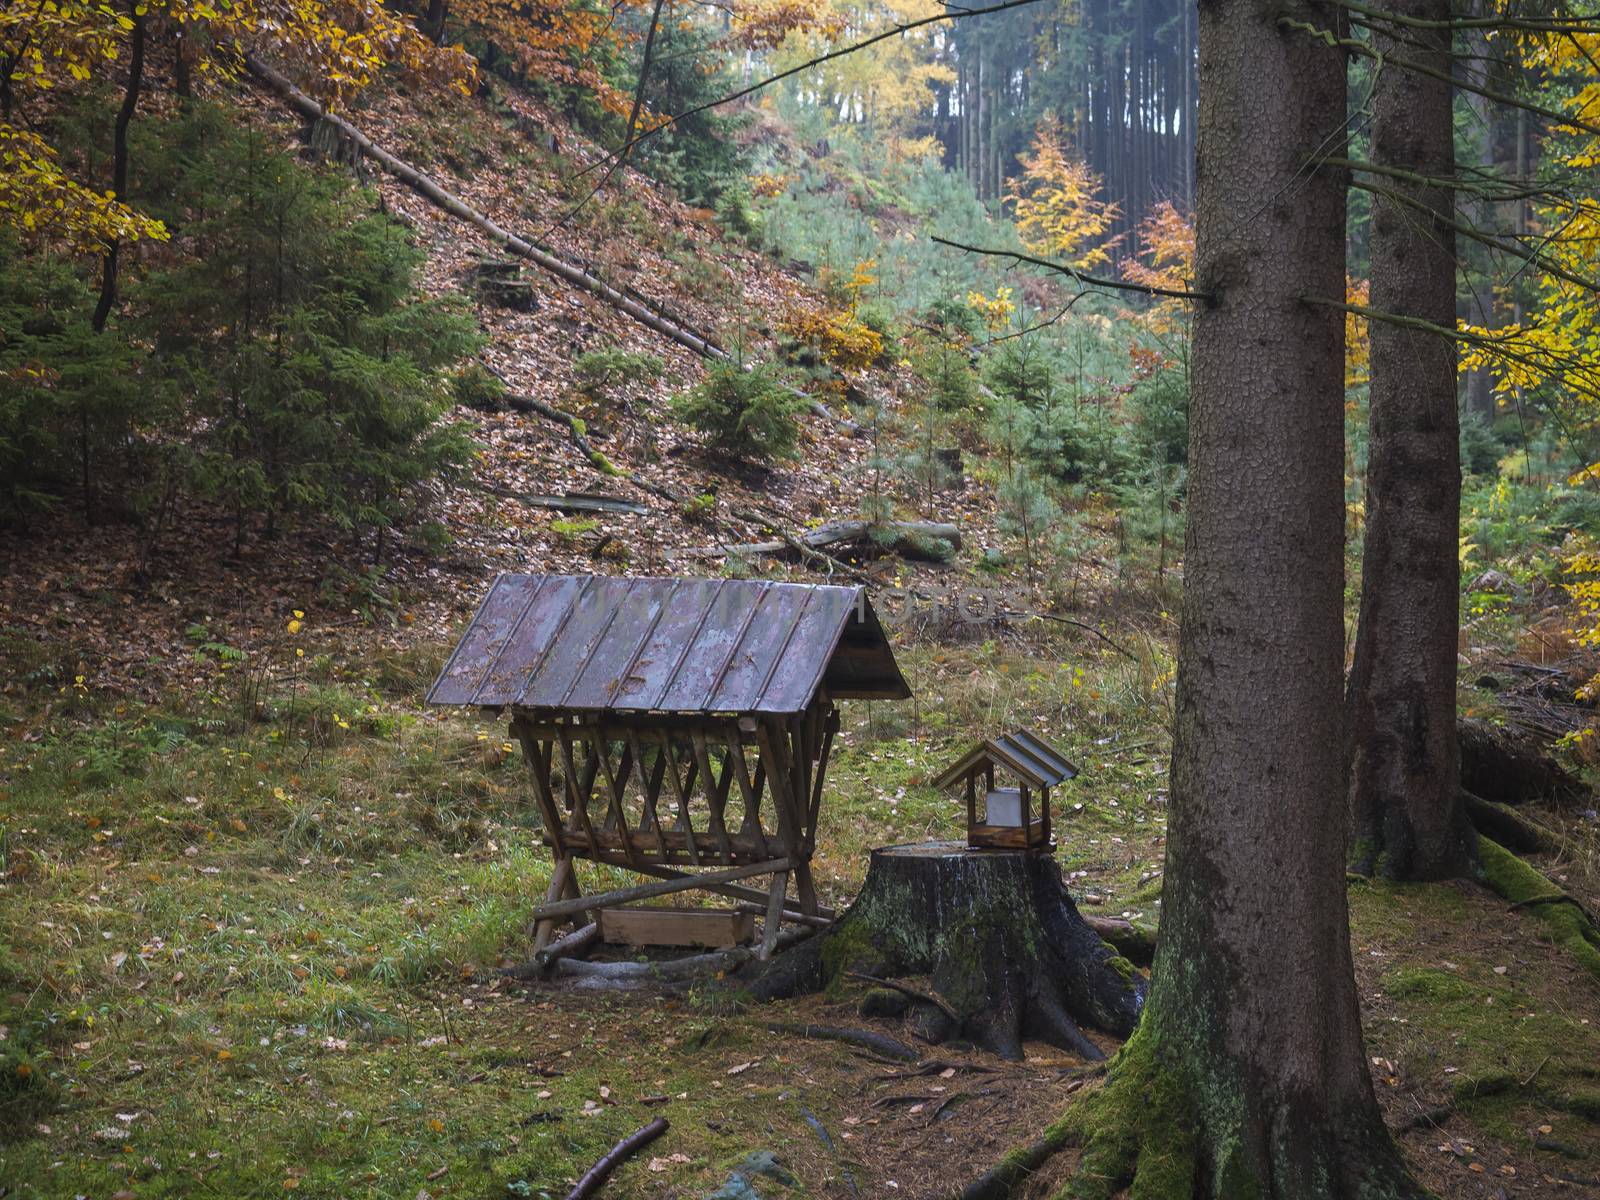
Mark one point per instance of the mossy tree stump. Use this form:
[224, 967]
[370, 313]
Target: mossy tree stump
[995, 933]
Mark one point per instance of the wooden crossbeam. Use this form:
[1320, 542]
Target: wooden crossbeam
[662, 887]
[733, 891]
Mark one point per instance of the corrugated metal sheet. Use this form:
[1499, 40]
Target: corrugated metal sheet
[591, 643]
[1031, 759]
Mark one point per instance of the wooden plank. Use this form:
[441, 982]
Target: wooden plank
[711, 927]
[577, 789]
[650, 786]
[779, 783]
[662, 887]
[830, 727]
[1006, 837]
[675, 843]
[733, 891]
[616, 811]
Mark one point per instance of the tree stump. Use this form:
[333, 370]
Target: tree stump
[995, 933]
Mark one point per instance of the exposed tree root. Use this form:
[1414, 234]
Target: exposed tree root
[878, 1043]
[1566, 920]
[1505, 826]
[1151, 1134]
[998, 938]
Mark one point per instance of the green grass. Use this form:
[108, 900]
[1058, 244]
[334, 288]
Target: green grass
[258, 921]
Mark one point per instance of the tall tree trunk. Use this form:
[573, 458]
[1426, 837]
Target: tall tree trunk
[1408, 821]
[108, 261]
[119, 160]
[1248, 1075]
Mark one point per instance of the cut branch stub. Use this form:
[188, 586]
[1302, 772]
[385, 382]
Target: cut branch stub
[996, 934]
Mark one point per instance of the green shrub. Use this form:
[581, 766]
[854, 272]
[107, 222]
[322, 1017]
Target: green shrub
[598, 373]
[751, 414]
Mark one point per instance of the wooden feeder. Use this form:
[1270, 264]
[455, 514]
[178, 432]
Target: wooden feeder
[1014, 816]
[676, 727]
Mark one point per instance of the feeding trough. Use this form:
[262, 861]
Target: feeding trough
[679, 728]
[1015, 816]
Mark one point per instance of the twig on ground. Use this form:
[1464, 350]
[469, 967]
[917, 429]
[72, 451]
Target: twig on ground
[596, 1175]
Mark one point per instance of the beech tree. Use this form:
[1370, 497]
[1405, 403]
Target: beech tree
[1407, 817]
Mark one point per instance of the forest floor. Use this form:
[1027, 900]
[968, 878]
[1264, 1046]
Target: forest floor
[255, 894]
[259, 955]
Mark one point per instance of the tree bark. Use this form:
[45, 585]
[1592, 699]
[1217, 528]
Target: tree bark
[999, 939]
[1407, 819]
[1248, 1076]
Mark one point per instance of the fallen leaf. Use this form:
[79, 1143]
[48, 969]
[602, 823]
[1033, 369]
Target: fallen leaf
[743, 1067]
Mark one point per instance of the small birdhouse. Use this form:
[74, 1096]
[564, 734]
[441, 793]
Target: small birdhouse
[1008, 781]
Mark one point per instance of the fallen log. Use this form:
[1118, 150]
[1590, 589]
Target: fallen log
[568, 502]
[925, 541]
[596, 1175]
[573, 943]
[667, 970]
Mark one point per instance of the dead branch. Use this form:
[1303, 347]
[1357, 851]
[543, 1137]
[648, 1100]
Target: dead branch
[596, 1175]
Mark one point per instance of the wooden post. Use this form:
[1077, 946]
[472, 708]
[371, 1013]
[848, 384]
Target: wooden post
[559, 879]
[769, 933]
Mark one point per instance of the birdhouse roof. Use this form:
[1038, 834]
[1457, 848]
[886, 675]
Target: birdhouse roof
[584, 643]
[1031, 759]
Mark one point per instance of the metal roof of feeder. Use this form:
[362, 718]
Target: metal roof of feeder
[591, 643]
[1030, 758]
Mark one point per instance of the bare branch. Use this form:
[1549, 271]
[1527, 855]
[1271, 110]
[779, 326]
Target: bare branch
[1122, 285]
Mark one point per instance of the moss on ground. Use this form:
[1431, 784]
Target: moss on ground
[1526, 887]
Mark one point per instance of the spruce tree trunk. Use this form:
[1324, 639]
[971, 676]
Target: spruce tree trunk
[1247, 1076]
[1407, 818]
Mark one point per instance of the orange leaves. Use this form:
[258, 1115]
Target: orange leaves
[553, 40]
[766, 26]
[1166, 249]
[1357, 345]
[1057, 204]
[337, 46]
